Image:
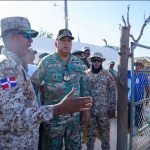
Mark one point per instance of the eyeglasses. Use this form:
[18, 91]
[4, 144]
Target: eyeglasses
[96, 60]
[25, 35]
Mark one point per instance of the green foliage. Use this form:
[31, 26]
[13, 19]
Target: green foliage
[44, 33]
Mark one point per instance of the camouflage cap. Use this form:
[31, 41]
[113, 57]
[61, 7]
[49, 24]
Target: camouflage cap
[111, 62]
[19, 23]
[64, 33]
[99, 55]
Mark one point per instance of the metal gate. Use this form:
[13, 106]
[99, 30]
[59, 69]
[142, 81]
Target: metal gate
[139, 103]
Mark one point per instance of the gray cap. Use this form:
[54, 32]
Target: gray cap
[99, 55]
[19, 23]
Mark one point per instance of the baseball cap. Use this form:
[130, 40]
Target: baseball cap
[64, 33]
[77, 52]
[19, 23]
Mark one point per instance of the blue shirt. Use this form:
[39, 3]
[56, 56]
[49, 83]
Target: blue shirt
[140, 82]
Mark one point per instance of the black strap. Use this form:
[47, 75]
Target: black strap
[24, 75]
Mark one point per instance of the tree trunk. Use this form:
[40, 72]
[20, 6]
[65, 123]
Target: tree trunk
[122, 103]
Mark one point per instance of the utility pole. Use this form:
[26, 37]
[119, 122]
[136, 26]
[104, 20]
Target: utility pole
[65, 8]
[66, 14]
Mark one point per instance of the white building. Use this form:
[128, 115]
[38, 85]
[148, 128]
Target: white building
[42, 44]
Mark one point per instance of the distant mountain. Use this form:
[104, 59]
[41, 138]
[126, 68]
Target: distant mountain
[43, 44]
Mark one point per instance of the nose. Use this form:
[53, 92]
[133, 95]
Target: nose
[30, 40]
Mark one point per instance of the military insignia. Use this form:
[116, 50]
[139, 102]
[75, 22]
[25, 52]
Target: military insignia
[76, 63]
[66, 32]
[66, 74]
[7, 82]
[66, 77]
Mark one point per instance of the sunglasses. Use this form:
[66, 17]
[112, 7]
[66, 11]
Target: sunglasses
[87, 53]
[96, 60]
[25, 35]
[138, 64]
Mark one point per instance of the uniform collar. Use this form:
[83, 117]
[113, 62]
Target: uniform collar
[6, 51]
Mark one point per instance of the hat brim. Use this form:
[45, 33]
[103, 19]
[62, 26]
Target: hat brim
[61, 36]
[78, 53]
[98, 57]
[33, 33]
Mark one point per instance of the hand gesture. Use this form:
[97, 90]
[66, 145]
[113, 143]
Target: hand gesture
[70, 104]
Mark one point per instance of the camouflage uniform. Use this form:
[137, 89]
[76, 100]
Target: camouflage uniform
[52, 70]
[101, 88]
[20, 115]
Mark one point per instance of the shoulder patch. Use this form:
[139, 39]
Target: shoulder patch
[7, 82]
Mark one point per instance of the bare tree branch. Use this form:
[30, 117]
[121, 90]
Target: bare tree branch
[124, 21]
[132, 37]
[144, 16]
[128, 16]
[105, 41]
[142, 29]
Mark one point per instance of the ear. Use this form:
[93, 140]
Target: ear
[56, 44]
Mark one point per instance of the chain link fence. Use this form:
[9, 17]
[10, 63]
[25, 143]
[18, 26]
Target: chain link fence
[139, 104]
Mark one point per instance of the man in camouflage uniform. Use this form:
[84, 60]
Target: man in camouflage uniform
[100, 84]
[61, 72]
[20, 115]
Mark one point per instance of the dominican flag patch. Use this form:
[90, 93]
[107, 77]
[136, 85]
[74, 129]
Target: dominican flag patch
[8, 82]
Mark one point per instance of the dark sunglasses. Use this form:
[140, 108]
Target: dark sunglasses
[25, 35]
[138, 64]
[96, 60]
[87, 53]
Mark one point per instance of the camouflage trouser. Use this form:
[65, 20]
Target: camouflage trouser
[104, 130]
[55, 133]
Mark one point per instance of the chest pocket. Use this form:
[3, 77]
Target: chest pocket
[54, 75]
[75, 75]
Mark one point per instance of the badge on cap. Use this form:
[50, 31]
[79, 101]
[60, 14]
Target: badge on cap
[66, 32]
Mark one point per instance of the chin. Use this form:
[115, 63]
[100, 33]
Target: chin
[65, 54]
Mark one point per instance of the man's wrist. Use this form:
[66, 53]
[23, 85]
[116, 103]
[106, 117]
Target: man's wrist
[55, 110]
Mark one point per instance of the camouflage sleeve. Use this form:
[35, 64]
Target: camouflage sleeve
[18, 101]
[83, 89]
[112, 91]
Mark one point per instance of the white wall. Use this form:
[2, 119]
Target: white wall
[47, 45]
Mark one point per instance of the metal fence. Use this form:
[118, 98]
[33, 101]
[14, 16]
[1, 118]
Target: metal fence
[139, 105]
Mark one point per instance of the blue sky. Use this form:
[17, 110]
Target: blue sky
[93, 20]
